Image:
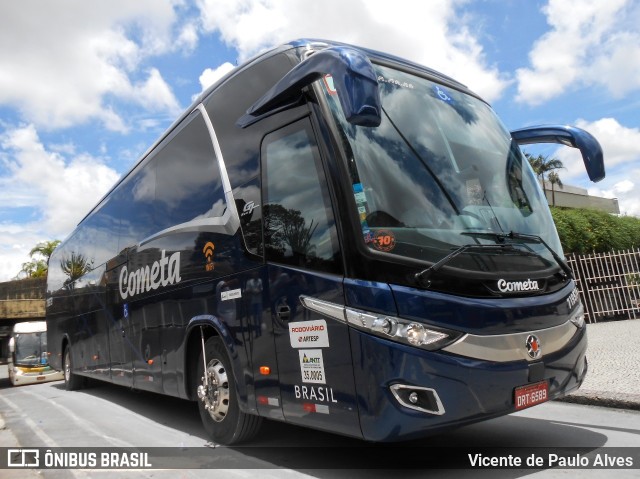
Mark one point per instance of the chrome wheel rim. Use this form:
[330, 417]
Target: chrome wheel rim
[214, 392]
[67, 366]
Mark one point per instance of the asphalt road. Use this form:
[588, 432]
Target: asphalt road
[46, 415]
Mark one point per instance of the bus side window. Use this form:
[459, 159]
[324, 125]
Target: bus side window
[299, 225]
[188, 183]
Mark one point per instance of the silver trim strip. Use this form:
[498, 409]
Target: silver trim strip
[226, 183]
[512, 347]
[332, 310]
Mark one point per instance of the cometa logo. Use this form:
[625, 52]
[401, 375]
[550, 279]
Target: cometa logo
[160, 273]
[517, 286]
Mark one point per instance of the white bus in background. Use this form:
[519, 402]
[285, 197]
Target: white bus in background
[28, 355]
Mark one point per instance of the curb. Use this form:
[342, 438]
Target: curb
[603, 399]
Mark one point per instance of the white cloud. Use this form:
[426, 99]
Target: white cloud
[188, 37]
[625, 186]
[620, 144]
[591, 42]
[209, 76]
[61, 59]
[430, 33]
[56, 188]
[13, 255]
[621, 150]
[155, 94]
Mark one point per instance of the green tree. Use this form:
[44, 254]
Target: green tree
[38, 267]
[45, 249]
[554, 179]
[585, 231]
[75, 267]
[543, 166]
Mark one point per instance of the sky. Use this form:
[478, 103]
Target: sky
[87, 87]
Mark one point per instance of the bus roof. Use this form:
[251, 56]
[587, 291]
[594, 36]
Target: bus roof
[30, 327]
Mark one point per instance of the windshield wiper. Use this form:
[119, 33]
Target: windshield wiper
[423, 276]
[500, 237]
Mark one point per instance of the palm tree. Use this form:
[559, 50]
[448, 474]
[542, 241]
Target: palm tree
[542, 166]
[75, 266]
[36, 268]
[44, 248]
[554, 179]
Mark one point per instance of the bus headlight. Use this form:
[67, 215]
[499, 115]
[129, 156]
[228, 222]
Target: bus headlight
[418, 335]
[400, 330]
[396, 329]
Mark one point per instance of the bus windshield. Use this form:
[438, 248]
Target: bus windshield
[441, 172]
[30, 349]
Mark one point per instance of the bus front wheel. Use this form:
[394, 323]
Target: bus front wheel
[71, 381]
[217, 398]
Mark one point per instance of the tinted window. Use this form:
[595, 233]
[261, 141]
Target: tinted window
[230, 101]
[101, 231]
[134, 203]
[188, 184]
[71, 261]
[299, 227]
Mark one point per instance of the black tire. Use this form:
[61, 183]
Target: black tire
[72, 382]
[223, 420]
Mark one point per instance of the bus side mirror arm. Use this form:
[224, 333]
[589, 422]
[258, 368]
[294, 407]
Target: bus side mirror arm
[353, 77]
[570, 136]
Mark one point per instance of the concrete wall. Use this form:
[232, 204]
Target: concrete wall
[21, 300]
[574, 197]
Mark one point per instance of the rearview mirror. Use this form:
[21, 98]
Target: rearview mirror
[569, 136]
[353, 77]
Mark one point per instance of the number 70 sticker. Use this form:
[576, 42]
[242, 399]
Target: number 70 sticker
[384, 240]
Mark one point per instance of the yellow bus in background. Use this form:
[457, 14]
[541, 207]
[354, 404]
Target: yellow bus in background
[28, 355]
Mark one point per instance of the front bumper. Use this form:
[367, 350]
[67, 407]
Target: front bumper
[470, 390]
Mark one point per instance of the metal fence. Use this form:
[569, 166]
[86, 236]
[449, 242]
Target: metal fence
[609, 284]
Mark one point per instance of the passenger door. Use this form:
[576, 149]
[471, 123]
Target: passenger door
[304, 259]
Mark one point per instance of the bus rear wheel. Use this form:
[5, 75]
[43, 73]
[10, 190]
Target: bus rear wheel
[217, 398]
[72, 381]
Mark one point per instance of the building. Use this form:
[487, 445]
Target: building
[20, 300]
[574, 197]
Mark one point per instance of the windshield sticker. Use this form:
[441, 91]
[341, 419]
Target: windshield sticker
[358, 194]
[361, 203]
[362, 211]
[442, 94]
[329, 85]
[393, 81]
[312, 366]
[384, 240]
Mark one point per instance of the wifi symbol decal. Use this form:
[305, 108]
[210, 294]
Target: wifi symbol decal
[208, 252]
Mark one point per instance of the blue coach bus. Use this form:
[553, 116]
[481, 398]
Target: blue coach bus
[331, 237]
